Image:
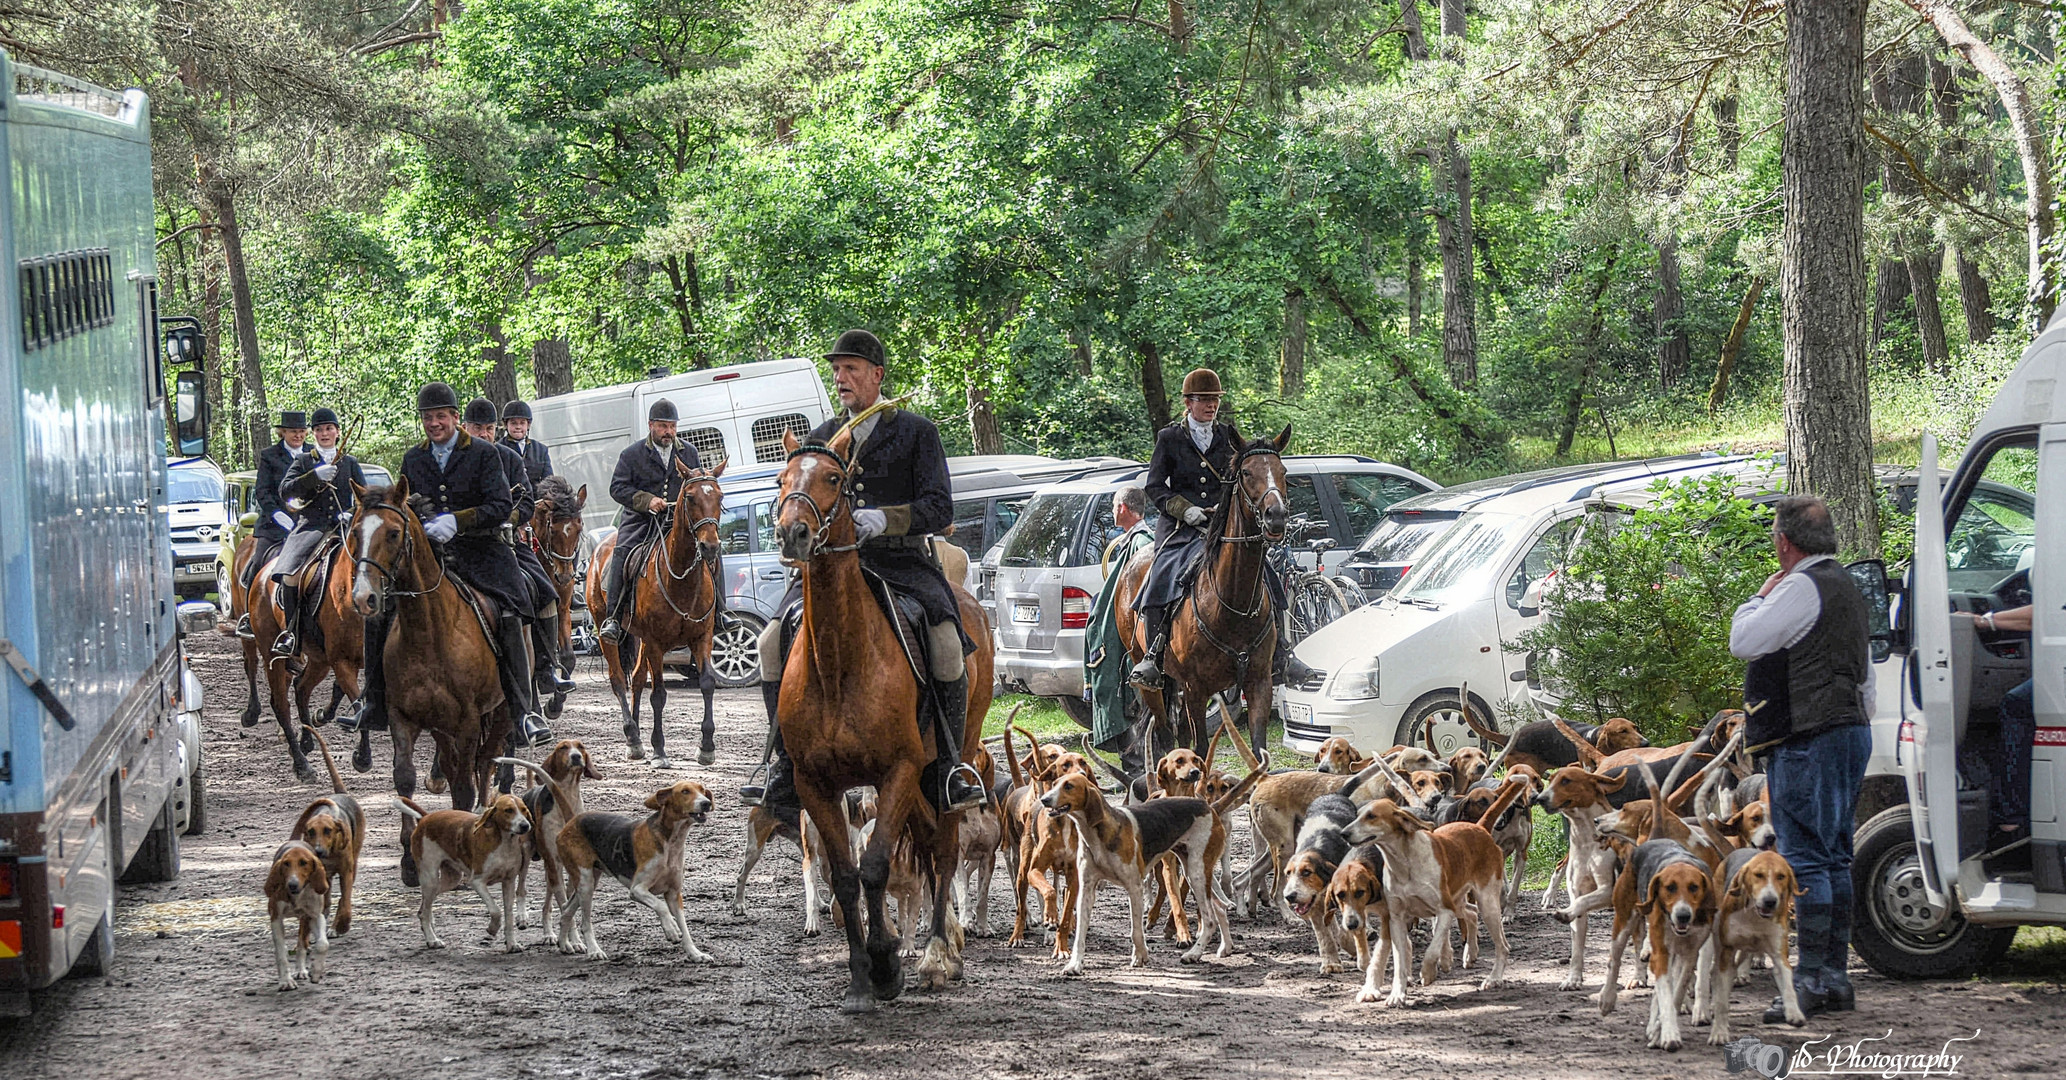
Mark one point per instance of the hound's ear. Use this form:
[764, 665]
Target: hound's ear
[1411, 820]
[1448, 782]
[1612, 782]
[588, 768]
[581, 497]
[789, 443]
[1283, 439]
[653, 801]
[681, 469]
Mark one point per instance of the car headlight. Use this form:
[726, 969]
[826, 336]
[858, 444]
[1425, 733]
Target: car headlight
[1356, 681]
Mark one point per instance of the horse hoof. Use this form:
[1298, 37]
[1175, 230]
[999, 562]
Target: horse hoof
[435, 785]
[554, 705]
[663, 763]
[362, 758]
[302, 771]
[857, 1004]
[706, 757]
[308, 740]
[249, 719]
[409, 880]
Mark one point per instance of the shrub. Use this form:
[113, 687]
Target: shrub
[1638, 624]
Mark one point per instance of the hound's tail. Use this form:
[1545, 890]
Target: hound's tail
[336, 781]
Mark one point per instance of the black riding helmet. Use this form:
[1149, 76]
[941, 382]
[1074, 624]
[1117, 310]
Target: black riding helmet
[322, 416]
[860, 344]
[479, 411]
[662, 409]
[436, 395]
[516, 410]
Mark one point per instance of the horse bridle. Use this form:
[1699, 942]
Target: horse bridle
[571, 563]
[667, 561]
[388, 578]
[1255, 511]
[825, 518]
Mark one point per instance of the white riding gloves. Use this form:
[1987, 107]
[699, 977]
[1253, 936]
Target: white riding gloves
[281, 519]
[326, 473]
[1195, 516]
[442, 528]
[870, 523]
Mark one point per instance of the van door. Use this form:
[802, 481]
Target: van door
[1929, 754]
[1518, 605]
[2048, 641]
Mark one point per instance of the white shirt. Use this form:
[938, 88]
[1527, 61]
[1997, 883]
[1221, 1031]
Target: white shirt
[442, 451]
[327, 456]
[1201, 434]
[1781, 618]
[865, 428]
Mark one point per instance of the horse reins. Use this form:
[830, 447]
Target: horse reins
[667, 565]
[825, 518]
[387, 575]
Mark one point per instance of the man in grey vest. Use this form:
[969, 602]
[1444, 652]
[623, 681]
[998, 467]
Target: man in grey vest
[1809, 693]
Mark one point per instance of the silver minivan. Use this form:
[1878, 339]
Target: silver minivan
[1041, 581]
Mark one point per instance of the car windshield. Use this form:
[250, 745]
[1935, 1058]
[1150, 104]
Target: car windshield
[1399, 536]
[1456, 566]
[1042, 535]
[193, 486]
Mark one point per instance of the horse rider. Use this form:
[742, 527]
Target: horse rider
[646, 484]
[900, 493]
[479, 423]
[1191, 474]
[274, 521]
[516, 420]
[318, 490]
[462, 480]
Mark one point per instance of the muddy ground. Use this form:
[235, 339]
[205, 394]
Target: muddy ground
[192, 995]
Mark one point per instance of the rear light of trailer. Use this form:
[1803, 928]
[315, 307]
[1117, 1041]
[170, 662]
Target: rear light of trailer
[1075, 608]
[57, 916]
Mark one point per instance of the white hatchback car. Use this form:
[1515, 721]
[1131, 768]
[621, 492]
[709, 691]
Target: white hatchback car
[1386, 670]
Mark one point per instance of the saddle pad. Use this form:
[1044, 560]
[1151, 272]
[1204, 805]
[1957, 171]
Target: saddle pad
[484, 610]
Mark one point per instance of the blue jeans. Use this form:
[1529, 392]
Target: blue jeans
[1814, 783]
[2009, 802]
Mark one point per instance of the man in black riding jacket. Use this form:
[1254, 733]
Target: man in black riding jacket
[479, 422]
[1191, 474]
[317, 490]
[900, 493]
[645, 484]
[466, 501]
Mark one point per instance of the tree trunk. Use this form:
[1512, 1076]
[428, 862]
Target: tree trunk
[1822, 267]
[1674, 348]
[499, 384]
[1588, 361]
[1413, 285]
[1974, 301]
[1891, 287]
[1899, 90]
[1732, 346]
[1080, 345]
[244, 313]
[684, 312]
[1291, 373]
[1450, 170]
[2025, 123]
[1924, 261]
[1153, 391]
[982, 419]
[1728, 130]
[552, 366]
[211, 330]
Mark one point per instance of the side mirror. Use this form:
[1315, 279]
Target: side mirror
[190, 412]
[185, 344]
[1530, 604]
[1871, 578]
[249, 520]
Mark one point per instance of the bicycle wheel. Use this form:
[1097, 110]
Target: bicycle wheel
[1315, 603]
[1352, 594]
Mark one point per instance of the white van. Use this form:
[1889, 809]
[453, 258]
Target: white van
[737, 414]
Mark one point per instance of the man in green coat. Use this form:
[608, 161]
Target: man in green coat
[1105, 657]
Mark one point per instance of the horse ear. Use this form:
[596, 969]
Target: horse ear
[400, 492]
[789, 443]
[581, 497]
[358, 490]
[842, 442]
[720, 470]
[681, 469]
[1283, 439]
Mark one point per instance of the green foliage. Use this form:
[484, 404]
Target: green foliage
[1638, 625]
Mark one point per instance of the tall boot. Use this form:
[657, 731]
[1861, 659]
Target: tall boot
[372, 710]
[954, 784]
[546, 675]
[1148, 673]
[1812, 930]
[1836, 957]
[530, 728]
[613, 597]
[289, 641]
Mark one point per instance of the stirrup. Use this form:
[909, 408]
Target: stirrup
[285, 644]
[973, 781]
[533, 732]
[752, 793]
[611, 632]
[244, 626]
[1147, 674]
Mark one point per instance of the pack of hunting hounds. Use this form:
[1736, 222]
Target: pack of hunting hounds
[1400, 848]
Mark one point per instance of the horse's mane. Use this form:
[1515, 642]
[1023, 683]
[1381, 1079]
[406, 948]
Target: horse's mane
[556, 492]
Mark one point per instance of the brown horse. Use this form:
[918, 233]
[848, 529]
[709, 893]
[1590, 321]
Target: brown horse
[674, 604]
[1223, 636]
[340, 650]
[238, 602]
[847, 714]
[555, 534]
[439, 666]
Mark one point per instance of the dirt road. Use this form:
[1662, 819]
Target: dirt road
[192, 995]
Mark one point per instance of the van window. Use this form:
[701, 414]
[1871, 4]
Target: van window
[732, 536]
[1045, 532]
[192, 486]
[1996, 526]
[1364, 497]
[764, 526]
[1104, 528]
[969, 532]
[1304, 500]
[1550, 553]
[768, 432]
[709, 443]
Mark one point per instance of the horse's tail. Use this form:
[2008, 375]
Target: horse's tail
[560, 795]
[336, 781]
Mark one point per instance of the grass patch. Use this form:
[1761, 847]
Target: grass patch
[2038, 958]
[1045, 718]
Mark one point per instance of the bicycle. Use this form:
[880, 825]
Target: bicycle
[1313, 598]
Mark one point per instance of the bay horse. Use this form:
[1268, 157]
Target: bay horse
[674, 603]
[339, 649]
[1224, 634]
[555, 534]
[847, 714]
[439, 666]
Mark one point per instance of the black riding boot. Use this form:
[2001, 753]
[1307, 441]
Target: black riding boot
[1148, 673]
[289, 641]
[1287, 669]
[372, 710]
[613, 597]
[546, 675]
[962, 788]
[530, 728]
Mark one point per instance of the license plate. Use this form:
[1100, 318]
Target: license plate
[1025, 613]
[202, 567]
[1294, 713]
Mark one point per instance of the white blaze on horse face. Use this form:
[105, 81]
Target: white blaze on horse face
[362, 582]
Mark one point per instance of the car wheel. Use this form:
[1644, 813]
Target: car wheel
[1897, 930]
[735, 655]
[222, 585]
[1446, 735]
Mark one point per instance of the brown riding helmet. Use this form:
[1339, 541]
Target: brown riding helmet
[1202, 382]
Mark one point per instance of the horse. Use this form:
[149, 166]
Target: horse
[1224, 635]
[439, 665]
[338, 648]
[846, 714]
[555, 534]
[236, 604]
[674, 603]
